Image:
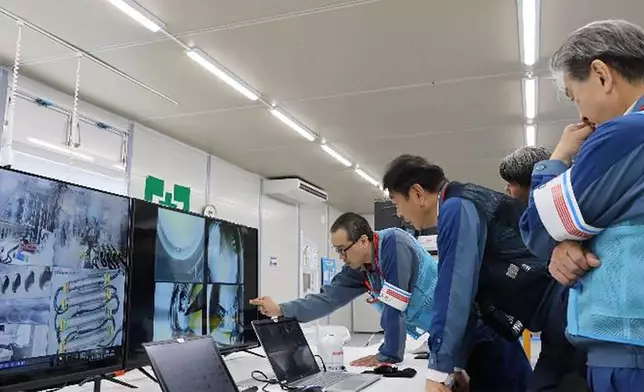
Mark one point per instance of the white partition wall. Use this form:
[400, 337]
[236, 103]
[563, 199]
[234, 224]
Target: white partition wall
[177, 165]
[278, 260]
[234, 192]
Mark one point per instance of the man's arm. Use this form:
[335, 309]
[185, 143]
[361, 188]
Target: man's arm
[598, 190]
[347, 285]
[461, 240]
[398, 259]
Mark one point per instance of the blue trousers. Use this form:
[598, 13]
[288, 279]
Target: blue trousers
[497, 365]
[605, 379]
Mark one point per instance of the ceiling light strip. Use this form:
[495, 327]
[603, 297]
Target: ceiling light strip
[529, 11]
[530, 98]
[217, 69]
[137, 12]
[329, 150]
[367, 177]
[293, 124]
[531, 135]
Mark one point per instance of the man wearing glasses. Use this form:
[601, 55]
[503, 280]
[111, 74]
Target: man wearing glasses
[400, 277]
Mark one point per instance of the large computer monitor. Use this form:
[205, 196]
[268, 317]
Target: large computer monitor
[168, 296]
[192, 276]
[63, 258]
[232, 281]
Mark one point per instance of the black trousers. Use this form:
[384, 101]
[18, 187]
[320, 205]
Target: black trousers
[561, 366]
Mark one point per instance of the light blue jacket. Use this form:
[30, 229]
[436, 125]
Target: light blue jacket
[406, 268]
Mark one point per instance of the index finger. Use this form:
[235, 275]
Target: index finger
[578, 258]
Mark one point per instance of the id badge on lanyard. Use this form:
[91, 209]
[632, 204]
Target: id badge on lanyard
[368, 276]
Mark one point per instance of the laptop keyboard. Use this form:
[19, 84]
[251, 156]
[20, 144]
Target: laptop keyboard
[327, 379]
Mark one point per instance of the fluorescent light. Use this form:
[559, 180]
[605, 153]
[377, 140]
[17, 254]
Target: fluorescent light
[119, 166]
[367, 177]
[530, 97]
[530, 135]
[135, 11]
[59, 149]
[529, 35]
[308, 135]
[335, 155]
[214, 67]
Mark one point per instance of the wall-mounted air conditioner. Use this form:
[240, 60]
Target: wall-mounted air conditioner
[293, 190]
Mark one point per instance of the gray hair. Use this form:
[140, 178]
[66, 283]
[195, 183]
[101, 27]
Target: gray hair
[618, 43]
[517, 167]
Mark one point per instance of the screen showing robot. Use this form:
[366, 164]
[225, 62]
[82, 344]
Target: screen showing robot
[168, 265]
[63, 252]
[194, 276]
[232, 282]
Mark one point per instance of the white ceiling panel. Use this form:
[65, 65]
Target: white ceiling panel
[450, 147]
[231, 132]
[191, 15]
[439, 108]
[101, 87]
[560, 18]
[88, 24]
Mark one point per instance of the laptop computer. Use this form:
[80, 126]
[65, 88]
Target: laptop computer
[189, 364]
[294, 364]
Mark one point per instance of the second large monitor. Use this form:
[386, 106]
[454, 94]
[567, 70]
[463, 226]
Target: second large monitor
[191, 276]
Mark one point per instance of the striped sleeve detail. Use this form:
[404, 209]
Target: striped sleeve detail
[559, 211]
[394, 297]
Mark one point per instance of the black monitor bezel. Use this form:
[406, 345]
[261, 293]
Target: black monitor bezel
[229, 349]
[42, 380]
[141, 359]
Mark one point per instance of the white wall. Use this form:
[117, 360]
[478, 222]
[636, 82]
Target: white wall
[279, 242]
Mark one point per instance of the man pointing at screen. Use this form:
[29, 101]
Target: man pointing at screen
[354, 240]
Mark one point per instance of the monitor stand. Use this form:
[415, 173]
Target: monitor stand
[148, 375]
[98, 379]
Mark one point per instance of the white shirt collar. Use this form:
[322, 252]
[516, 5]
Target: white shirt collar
[631, 108]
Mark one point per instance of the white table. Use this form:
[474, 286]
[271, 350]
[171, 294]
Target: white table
[242, 364]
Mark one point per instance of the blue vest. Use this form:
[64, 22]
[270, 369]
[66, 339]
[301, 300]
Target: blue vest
[418, 314]
[607, 303]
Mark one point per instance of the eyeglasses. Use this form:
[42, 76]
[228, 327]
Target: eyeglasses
[343, 251]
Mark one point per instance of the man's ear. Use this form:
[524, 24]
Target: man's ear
[602, 72]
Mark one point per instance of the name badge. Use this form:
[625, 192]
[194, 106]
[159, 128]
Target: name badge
[395, 297]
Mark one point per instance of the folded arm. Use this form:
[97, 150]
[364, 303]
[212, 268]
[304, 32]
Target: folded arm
[598, 190]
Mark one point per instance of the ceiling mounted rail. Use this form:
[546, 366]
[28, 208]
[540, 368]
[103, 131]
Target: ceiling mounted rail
[85, 54]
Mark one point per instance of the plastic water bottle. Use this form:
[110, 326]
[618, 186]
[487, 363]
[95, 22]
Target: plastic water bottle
[331, 350]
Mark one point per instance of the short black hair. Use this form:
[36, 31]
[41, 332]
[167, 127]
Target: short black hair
[354, 224]
[407, 170]
[517, 167]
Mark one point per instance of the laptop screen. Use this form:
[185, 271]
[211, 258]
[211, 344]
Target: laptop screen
[190, 364]
[286, 349]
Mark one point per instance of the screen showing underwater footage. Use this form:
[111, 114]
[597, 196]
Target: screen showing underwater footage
[232, 277]
[168, 266]
[63, 254]
[192, 276]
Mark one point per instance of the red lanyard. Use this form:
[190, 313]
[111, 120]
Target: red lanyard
[375, 267]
